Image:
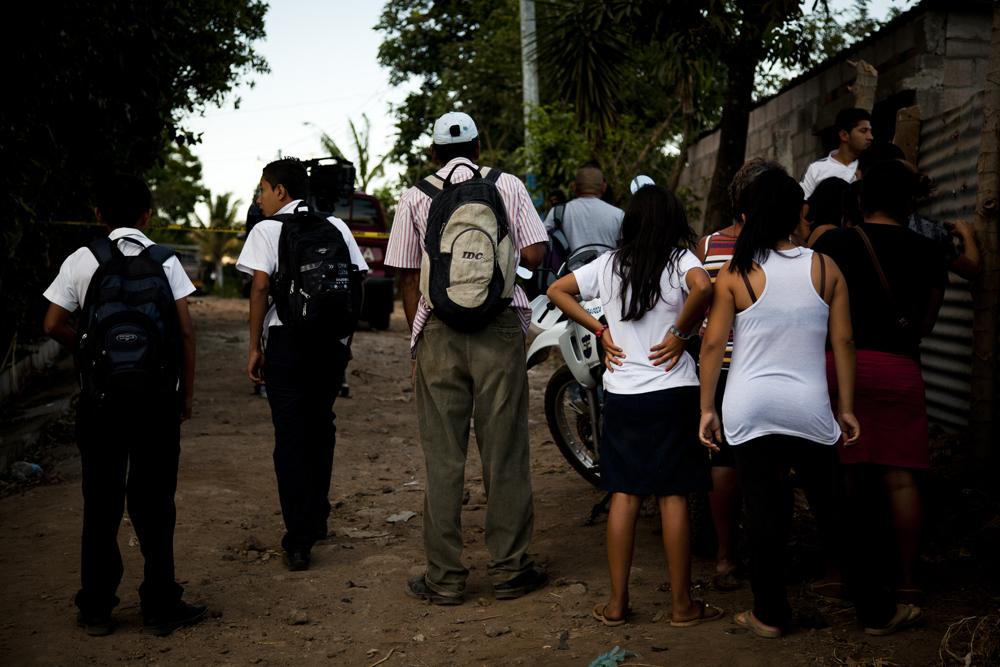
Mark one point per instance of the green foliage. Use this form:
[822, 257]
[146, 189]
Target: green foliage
[102, 87]
[215, 246]
[462, 55]
[177, 187]
[558, 148]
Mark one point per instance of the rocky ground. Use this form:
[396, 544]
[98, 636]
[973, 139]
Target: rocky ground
[349, 608]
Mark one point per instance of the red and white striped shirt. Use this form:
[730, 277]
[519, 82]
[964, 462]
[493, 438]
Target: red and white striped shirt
[406, 240]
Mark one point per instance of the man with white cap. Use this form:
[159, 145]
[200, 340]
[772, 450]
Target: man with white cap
[587, 219]
[475, 375]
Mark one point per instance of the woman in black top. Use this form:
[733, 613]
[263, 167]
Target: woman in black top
[896, 280]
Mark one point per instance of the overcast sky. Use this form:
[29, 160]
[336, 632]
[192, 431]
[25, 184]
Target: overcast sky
[322, 55]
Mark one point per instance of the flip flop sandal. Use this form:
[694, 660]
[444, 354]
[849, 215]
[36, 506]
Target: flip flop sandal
[706, 613]
[747, 620]
[598, 613]
[906, 616]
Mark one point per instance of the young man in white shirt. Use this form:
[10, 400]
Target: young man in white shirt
[854, 129]
[142, 438]
[303, 369]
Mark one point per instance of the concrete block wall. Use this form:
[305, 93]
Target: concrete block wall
[941, 55]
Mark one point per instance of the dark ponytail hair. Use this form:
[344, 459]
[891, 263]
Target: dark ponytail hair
[655, 231]
[773, 204]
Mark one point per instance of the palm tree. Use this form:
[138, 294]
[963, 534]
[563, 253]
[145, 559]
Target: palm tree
[214, 238]
[366, 166]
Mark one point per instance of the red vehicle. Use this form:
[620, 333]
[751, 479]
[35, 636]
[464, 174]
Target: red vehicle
[363, 214]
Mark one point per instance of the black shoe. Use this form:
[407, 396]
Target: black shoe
[96, 625]
[522, 584]
[297, 560]
[416, 587]
[180, 614]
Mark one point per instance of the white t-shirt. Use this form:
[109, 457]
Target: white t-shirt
[260, 252]
[637, 374]
[69, 289]
[588, 220]
[827, 167]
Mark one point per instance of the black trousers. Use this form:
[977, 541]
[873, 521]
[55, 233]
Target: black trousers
[303, 376]
[128, 455]
[763, 465]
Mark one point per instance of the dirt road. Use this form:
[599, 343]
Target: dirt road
[349, 608]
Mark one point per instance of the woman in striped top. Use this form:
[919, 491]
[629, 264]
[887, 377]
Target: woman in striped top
[714, 250]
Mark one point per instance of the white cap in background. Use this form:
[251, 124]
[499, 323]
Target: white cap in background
[454, 127]
[640, 181]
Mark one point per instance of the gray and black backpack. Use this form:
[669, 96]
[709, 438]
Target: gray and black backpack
[469, 264]
[317, 289]
[129, 341]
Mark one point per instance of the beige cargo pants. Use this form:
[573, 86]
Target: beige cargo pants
[479, 376]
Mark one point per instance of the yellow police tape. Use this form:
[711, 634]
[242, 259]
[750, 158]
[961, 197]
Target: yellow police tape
[213, 230]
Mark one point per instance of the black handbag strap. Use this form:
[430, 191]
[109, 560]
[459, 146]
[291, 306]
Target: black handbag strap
[886, 289]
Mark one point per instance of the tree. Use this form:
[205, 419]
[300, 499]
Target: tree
[216, 245]
[177, 186]
[461, 55]
[102, 87]
[986, 289]
[366, 166]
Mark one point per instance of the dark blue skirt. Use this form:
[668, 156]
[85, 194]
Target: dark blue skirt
[649, 445]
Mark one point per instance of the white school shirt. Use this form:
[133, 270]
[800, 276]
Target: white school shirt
[637, 374]
[69, 289]
[260, 252]
[406, 238]
[827, 167]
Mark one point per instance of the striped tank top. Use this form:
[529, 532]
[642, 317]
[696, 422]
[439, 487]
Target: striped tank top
[718, 251]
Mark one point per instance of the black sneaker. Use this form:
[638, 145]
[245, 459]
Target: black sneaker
[522, 584]
[297, 560]
[177, 616]
[96, 625]
[416, 587]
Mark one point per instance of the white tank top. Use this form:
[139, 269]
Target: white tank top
[777, 381]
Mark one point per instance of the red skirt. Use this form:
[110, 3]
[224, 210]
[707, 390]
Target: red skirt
[890, 406]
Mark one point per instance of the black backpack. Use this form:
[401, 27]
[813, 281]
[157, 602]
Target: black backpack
[129, 341]
[316, 288]
[468, 269]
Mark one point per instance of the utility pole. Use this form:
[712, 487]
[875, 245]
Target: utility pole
[529, 75]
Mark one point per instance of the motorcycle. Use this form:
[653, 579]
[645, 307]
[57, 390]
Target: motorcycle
[574, 395]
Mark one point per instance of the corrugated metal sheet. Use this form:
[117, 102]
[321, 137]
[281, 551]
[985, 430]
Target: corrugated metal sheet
[949, 149]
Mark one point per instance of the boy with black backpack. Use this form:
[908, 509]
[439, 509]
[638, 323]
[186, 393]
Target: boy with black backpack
[312, 269]
[458, 237]
[135, 354]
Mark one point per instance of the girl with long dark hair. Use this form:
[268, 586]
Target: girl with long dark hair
[781, 302]
[654, 293]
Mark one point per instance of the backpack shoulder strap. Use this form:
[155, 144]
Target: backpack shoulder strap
[103, 249]
[558, 212]
[491, 175]
[431, 186]
[159, 253]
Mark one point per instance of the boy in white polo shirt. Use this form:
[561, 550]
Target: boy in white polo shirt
[304, 368]
[129, 442]
[854, 129]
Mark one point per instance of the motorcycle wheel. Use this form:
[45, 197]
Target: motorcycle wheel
[567, 413]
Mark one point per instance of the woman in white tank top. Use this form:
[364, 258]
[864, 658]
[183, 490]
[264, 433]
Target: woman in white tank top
[781, 302]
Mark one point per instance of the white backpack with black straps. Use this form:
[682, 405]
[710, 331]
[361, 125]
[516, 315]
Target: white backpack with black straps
[470, 262]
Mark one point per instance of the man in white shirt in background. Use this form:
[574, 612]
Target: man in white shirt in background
[854, 128]
[304, 371]
[587, 219]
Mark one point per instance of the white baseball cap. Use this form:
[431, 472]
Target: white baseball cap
[640, 181]
[454, 127]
